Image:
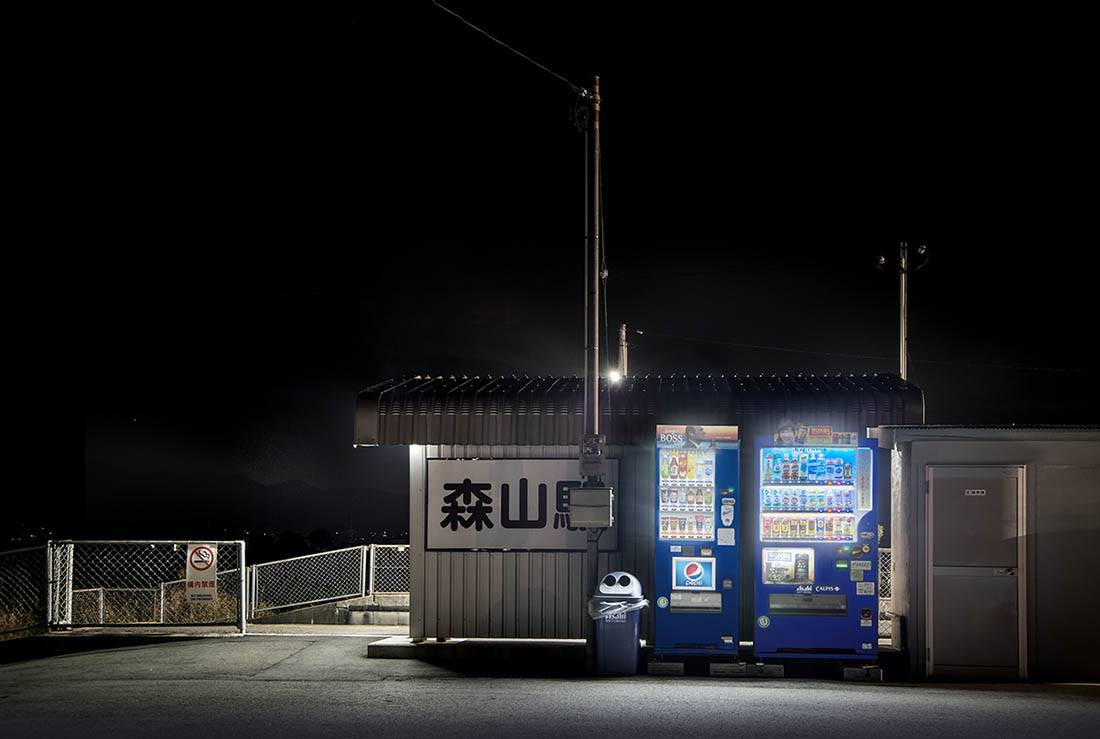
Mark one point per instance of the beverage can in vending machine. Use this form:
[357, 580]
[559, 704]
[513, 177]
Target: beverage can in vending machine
[767, 527]
[801, 568]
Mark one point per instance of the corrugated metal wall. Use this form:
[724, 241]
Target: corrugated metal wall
[522, 594]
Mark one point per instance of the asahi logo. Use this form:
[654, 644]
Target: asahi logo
[616, 618]
[804, 589]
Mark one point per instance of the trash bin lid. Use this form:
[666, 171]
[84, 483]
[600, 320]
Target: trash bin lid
[620, 584]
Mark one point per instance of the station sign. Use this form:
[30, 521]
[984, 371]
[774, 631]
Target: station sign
[507, 504]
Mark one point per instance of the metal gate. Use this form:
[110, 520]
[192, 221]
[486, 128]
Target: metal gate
[140, 584]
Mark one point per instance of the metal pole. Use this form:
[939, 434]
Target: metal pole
[242, 597]
[49, 584]
[372, 546]
[592, 381]
[904, 348]
[623, 365]
[363, 570]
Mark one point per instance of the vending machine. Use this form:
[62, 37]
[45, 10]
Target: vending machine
[817, 548]
[696, 556]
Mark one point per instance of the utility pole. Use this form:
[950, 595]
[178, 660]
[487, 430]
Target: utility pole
[903, 272]
[904, 348]
[592, 444]
[592, 348]
[623, 347]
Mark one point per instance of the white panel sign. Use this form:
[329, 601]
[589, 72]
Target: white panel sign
[202, 573]
[508, 504]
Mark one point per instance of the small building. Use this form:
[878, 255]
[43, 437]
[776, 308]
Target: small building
[482, 569]
[993, 534]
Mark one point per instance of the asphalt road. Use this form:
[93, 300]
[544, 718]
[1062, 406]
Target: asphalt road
[286, 685]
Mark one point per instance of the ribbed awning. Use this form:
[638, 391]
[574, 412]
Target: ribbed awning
[524, 411]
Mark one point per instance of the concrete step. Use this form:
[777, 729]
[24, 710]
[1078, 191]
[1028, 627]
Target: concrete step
[378, 618]
[379, 607]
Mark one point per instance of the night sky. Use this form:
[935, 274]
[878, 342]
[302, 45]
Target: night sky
[290, 209]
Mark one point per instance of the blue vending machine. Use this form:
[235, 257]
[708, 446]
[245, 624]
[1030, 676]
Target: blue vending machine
[696, 556]
[816, 548]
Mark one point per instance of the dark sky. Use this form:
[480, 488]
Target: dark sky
[288, 209]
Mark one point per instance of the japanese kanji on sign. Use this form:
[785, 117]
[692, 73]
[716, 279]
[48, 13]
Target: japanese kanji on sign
[506, 504]
[202, 573]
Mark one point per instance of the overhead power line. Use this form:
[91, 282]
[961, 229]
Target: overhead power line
[762, 347]
[576, 88]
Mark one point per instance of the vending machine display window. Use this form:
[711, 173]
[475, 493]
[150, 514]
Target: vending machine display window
[787, 566]
[686, 494]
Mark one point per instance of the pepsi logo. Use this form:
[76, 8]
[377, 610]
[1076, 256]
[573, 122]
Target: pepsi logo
[693, 573]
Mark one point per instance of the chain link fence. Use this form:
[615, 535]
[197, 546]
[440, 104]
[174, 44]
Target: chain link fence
[885, 594]
[314, 578]
[23, 592]
[389, 568]
[140, 583]
[143, 583]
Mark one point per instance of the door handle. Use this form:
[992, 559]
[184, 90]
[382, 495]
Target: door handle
[1007, 571]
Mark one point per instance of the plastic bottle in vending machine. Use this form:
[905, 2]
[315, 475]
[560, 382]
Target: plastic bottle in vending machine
[768, 468]
[692, 467]
[683, 465]
[803, 465]
[777, 469]
[664, 466]
[767, 527]
[673, 473]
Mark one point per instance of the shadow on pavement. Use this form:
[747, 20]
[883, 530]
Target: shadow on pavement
[43, 646]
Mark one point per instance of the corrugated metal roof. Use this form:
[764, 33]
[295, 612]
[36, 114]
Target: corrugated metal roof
[888, 434]
[435, 409]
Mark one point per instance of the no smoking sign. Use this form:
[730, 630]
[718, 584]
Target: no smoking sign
[202, 573]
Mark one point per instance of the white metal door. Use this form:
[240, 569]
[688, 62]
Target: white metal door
[976, 618]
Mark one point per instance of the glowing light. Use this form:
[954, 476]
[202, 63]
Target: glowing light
[614, 376]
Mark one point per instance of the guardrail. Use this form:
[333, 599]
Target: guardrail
[340, 574]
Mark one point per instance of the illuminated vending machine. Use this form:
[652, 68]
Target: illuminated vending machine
[696, 556]
[816, 553]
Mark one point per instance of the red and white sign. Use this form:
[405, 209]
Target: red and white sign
[202, 573]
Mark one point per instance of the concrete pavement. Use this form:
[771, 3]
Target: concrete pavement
[325, 685]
